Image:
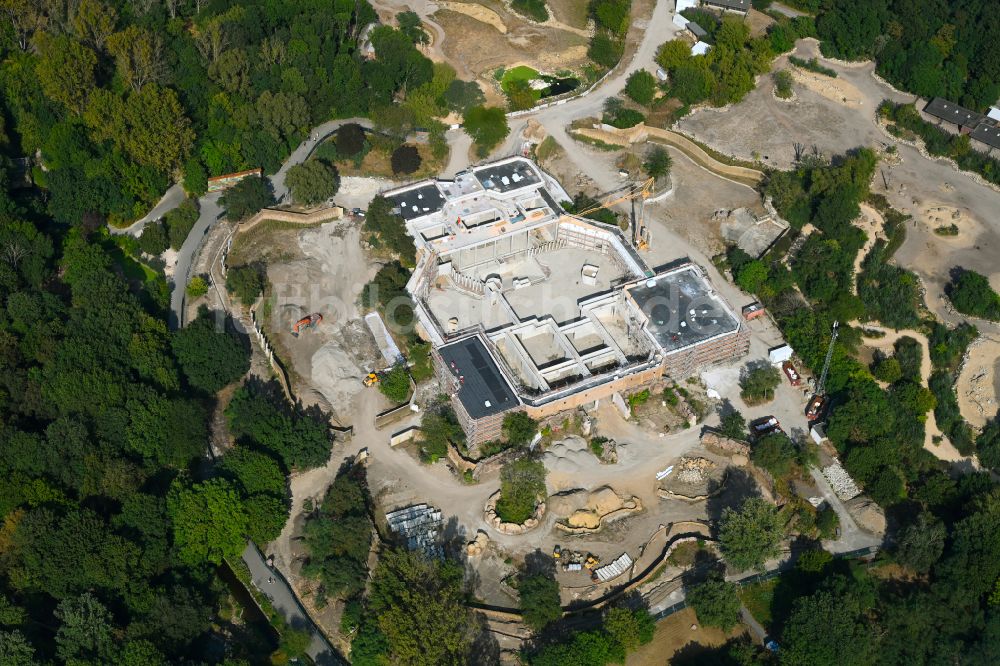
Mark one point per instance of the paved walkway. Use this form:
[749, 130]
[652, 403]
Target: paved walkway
[280, 594]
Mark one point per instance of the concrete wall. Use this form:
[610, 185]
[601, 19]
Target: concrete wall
[330, 213]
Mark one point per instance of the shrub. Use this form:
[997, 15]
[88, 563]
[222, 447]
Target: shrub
[539, 594]
[487, 125]
[716, 603]
[197, 287]
[733, 425]
[461, 95]
[246, 198]
[783, 84]
[657, 163]
[887, 370]
[313, 181]
[533, 9]
[395, 384]
[775, 453]
[405, 159]
[438, 427]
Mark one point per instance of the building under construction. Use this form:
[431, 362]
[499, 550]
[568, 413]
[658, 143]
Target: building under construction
[531, 308]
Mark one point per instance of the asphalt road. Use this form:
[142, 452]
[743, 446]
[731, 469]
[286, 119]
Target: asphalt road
[274, 586]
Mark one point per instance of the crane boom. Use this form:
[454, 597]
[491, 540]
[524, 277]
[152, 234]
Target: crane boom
[821, 386]
[631, 192]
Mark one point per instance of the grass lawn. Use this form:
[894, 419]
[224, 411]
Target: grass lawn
[520, 73]
[758, 599]
[674, 634]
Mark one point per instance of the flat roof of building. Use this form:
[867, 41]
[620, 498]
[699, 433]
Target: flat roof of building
[507, 176]
[739, 5]
[483, 389]
[682, 309]
[696, 30]
[987, 133]
[419, 201]
[953, 113]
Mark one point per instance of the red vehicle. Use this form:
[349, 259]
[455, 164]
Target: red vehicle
[815, 407]
[791, 373]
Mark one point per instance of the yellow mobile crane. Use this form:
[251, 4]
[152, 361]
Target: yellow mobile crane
[632, 192]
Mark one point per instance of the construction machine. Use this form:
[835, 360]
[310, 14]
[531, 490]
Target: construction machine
[635, 193]
[371, 379]
[557, 552]
[309, 321]
[818, 402]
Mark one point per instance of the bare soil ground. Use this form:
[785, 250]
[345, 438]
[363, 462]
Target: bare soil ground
[978, 384]
[571, 12]
[378, 164]
[484, 36]
[674, 635]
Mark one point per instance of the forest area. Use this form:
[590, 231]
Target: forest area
[933, 48]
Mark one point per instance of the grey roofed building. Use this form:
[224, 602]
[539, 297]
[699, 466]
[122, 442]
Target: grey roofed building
[742, 6]
[953, 113]
[418, 201]
[482, 388]
[986, 133]
[696, 30]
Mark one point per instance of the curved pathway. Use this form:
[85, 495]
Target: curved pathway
[211, 212]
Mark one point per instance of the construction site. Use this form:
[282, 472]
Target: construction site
[529, 307]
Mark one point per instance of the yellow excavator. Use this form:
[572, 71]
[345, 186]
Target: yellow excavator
[371, 379]
[632, 192]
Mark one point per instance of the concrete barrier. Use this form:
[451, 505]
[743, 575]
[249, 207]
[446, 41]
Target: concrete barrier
[325, 213]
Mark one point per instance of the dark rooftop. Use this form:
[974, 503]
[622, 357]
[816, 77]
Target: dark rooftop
[419, 201]
[740, 5]
[483, 390]
[696, 30]
[987, 133]
[680, 310]
[953, 113]
[507, 176]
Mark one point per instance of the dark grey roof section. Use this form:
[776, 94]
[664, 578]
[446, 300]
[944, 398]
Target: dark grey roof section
[987, 133]
[953, 113]
[483, 390]
[419, 201]
[508, 176]
[680, 310]
[696, 30]
[738, 5]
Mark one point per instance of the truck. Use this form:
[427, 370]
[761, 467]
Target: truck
[793, 376]
[765, 426]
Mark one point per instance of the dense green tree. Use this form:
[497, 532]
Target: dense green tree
[65, 69]
[395, 383]
[246, 282]
[539, 598]
[85, 630]
[179, 222]
[630, 628]
[420, 609]
[405, 159]
[350, 139]
[750, 535]
[518, 428]
[209, 352]
[15, 650]
[757, 384]
[972, 294]
[716, 603]
[246, 198]
[438, 427]
[463, 95]
[775, 453]
[522, 486]
[752, 276]
[657, 163]
[487, 125]
[313, 182]
[533, 9]
[827, 628]
[641, 87]
[209, 521]
[390, 229]
[921, 543]
[260, 413]
[411, 26]
[154, 239]
[733, 425]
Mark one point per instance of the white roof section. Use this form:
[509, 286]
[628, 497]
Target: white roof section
[701, 48]
[993, 113]
[780, 354]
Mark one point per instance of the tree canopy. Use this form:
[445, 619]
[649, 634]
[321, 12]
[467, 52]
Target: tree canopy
[749, 536]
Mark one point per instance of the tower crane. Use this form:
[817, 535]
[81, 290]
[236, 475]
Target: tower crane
[632, 192]
[818, 401]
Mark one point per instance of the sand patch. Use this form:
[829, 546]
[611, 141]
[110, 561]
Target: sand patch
[871, 223]
[936, 215]
[478, 12]
[837, 90]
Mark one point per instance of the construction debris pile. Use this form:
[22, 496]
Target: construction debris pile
[841, 481]
[611, 571]
[418, 525]
[694, 470]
